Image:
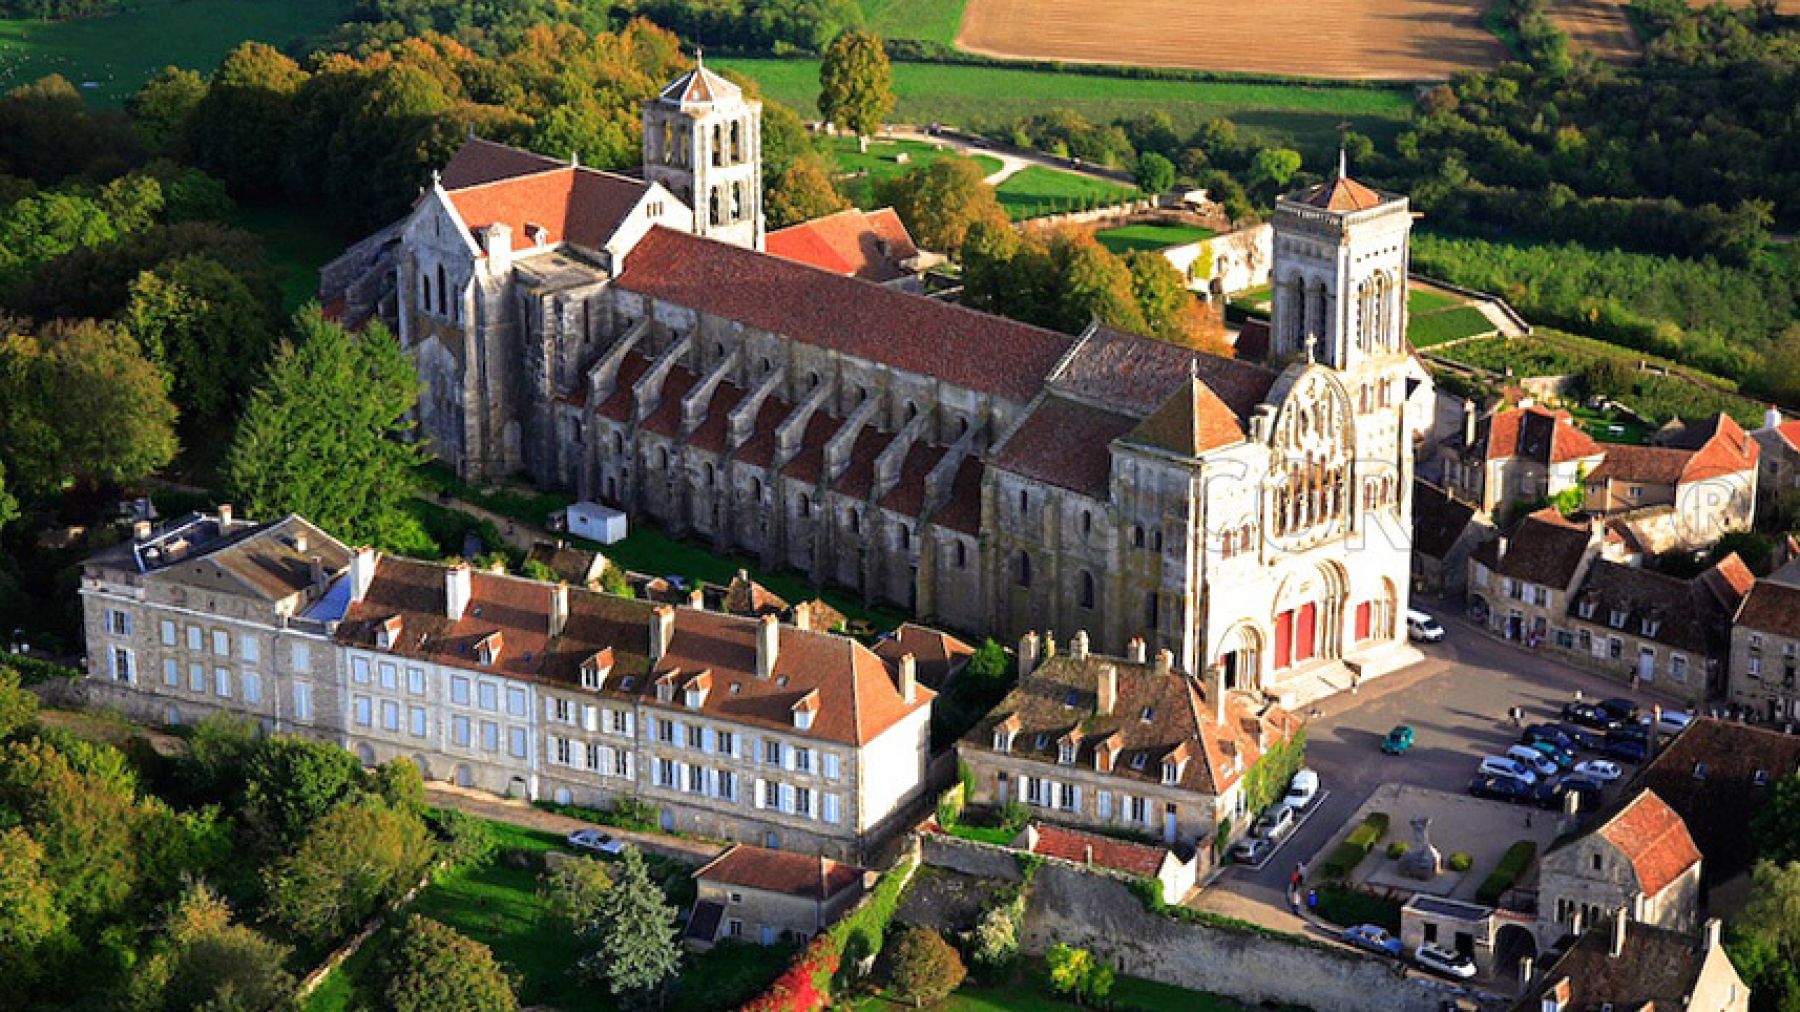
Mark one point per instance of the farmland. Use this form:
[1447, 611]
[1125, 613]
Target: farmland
[978, 97]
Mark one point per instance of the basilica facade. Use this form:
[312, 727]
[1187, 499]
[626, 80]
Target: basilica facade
[626, 338]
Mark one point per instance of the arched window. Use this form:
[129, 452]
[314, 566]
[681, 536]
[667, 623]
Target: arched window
[1024, 573]
[1024, 501]
[756, 489]
[805, 505]
[737, 200]
[662, 458]
[425, 291]
[962, 554]
[737, 142]
[443, 289]
[709, 475]
[1152, 611]
[855, 519]
[905, 538]
[1244, 538]
[1156, 540]
[712, 204]
[618, 442]
[1087, 589]
[718, 151]
[1137, 536]
[1087, 523]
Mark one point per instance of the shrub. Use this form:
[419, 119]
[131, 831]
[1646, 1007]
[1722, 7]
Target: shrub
[797, 989]
[1355, 847]
[1512, 864]
[467, 842]
[1398, 849]
[1077, 973]
[920, 967]
[1460, 861]
[995, 941]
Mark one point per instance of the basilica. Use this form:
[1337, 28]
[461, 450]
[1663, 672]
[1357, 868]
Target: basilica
[626, 337]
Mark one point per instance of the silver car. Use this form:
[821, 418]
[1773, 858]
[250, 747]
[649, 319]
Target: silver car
[595, 841]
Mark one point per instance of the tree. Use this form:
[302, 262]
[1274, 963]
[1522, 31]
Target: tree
[1170, 311]
[1077, 973]
[29, 912]
[631, 937]
[942, 200]
[241, 125]
[572, 891]
[399, 783]
[1271, 168]
[9, 504]
[203, 323]
[322, 434]
[163, 110]
[81, 402]
[1776, 826]
[1155, 173]
[1090, 283]
[291, 782]
[856, 83]
[921, 967]
[83, 825]
[218, 750]
[203, 960]
[803, 192]
[356, 857]
[18, 708]
[1765, 942]
[432, 967]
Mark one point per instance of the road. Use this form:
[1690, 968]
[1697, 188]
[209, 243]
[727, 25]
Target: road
[520, 813]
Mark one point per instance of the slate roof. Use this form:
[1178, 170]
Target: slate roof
[1067, 444]
[1654, 839]
[780, 871]
[987, 354]
[1543, 547]
[575, 205]
[1693, 614]
[481, 161]
[866, 244]
[937, 655]
[1709, 775]
[1439, 519]
[264, 559]
[1657, 969]
[1771, 607]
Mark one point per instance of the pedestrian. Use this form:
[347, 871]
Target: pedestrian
[1312, 899]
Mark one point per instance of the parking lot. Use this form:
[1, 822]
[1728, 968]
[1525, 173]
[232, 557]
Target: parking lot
[1457, 702]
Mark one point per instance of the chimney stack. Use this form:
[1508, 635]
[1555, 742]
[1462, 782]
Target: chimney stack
[1106, 690]
[559, 609]
[224, 517]
[1712, 932]
[1617, 948]
[459, 587]
[803, 615]
[315, 571]
[1468, 422]
[1134, 651]
[1500, 544]
[1571, 807]
[362, 572]
[909, 678]
[1028, 653]
[301, 541]
[1078, 645]
[1165, 662]
[662, 630]
[768, 645]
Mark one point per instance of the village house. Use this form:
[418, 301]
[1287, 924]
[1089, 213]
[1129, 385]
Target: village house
[1445, 531]
[1707, 471]
[1764, 677]
[1517, 456]
[1629, 966]
[751, 894]
[1121, 743]
[1521, 582]
[1641, 861]
[1656, 630]
[1778, 459]
[1717, 775]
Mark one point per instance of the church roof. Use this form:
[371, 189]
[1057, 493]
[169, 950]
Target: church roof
[700, 87]
[571, 204]
[1192, 421]
[1067, 444]
[868, 244]
[1340, 194]
[481, 161]
[1137, 375]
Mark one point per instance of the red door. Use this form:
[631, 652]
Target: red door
[1284, 632]
[1305, 622]
[1362, 621]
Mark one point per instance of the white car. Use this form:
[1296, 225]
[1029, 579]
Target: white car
[1503, 766]
[1674, 721]
[1448, 962]
[1423, 627]
[1533, 760]
[1603, 771]
[596, 841]
[1302, 790]
[1275, 823]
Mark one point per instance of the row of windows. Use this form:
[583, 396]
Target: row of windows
[1065, 797]
[121, 624]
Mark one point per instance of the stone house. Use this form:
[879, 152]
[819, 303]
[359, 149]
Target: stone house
[1717, 775]
[1445, 531]
[1521, 582]
[208, 614]
[1516, 456]
[1764, 676]
[1085, 740]
[751, 894]
[1707, 471]
[1778, 462]
[1653, 629]
[938, 657]
[577, 567]
[1625, 964]
[1174, 872]
[1641, 862]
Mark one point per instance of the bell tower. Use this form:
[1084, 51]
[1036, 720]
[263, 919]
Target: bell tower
[1339, 277]
[703, 141]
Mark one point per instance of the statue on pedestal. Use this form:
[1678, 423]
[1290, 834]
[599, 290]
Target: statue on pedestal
[1423, 861]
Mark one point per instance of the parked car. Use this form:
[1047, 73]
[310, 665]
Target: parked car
[1506, 766]
[1252, 850]
[1579, 737]
[1302, 790]
[1674, 721]
[1275, 823]
[1620, 709]
[1547, 732]
[1448, 962]
[1589, 715]
[1422, 627]
[1601, 771]
[1499, 787]
[1633, 730]
[1632, 750]
[1549, 794]
[1398, 741]
[1562, 759]
[596, 841]
[1533, 760]
[1373, 937]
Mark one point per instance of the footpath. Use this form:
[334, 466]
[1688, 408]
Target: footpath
[522, 814]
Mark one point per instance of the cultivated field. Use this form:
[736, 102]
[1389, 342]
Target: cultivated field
[1352, 39]
[1600, 26]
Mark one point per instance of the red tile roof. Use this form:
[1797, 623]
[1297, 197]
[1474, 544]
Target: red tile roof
[716, 427]
[1534, 433]
[907, 497]
[1340, 194]
[622, 402]
[1790, 431]
[759, 449]
[808, 464]
[1713, 448]
[666, 419]
[867, 244]
[1192, 421]
[1649, 465]
[575, 205]
[480, 161]
[1771, 607]
[1103, 851]
[1067, 444]
[984, 353]
[937, 655]
[858, 477]
[1654, 839]
[781, 871]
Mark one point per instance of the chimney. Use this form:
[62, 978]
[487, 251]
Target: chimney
[1049, 645]
[1078, 645]
[141, 530]
[1028, 653]
[315, 571]
[1134, 651]
[1712, 930]
[1526, 966]
[1617, 948]
[301, 541]
[559, 609]
[697, 599]
[909, 678]
[803, 615]
[458, 588]
[662, 630]
[496, 242]
[1106, 690]
[362, 572]
[1500, 544]
[768, 645]
[1165, 662]
[1468, 422]
[224, 516]
[1571, 807]
[1772, 418]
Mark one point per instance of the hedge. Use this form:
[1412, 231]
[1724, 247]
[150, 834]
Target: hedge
[33, 671]
[1517, 858]
[1356, 846]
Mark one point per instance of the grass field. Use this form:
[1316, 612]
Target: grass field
[930, 20]
[1128, 238]
[1036, 190]
[109, 57]
[298, 242]
[976, 97]
[882, 161]
[1447, 325]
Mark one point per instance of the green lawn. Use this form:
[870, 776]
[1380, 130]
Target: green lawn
[299, 242]
[1447, 325]
[882, 161]
[1036, 191]
[929, 20]
[1420, 301]
[1347, 908]
[977, 97]
[118, 52]
[1129, 238]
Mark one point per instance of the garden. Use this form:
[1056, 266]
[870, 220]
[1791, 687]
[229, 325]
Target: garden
[1150, 236]
[1036, 191]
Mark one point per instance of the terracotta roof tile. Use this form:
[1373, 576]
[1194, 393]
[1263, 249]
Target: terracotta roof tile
[781, 871]
[481, 161]
[808, 464]
[1340, 194]
[700, 87]
[866, 244]
[666, 419]
[1066, 444]
[575, 205]
[1649, 465]
[622, 402]
[571, 565]
[1725, 797]
[1192, 421]
[858, 477]
[1654, 839]
[987, 354]
[1542, 547]
[1102, 851]
[759, 449]
[937, 655]
[907, 497]
[1771, 607]
[1534, 433]
[1790, 432]
[1658, 969]
[712, 433]
[1135, 375]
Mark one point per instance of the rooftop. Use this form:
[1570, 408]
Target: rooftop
[1657, 968]
[1543, 547]
[780, 871]
[872, 245]
[1717, 775]
[1653, 838]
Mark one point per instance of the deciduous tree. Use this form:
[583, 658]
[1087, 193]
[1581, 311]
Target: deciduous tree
[803, 192]
[18, 708]
[241, 125]
[942, 200]
[1155, 173]
[354, 858]
[573, 890]
[291, 782]
[856, 83]
[162, 110]
[29, 912]
[432, 967]
[920, 967]
[1776, 826]
[205, 961]
[206, 326]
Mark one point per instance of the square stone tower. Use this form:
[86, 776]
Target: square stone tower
[703, 141]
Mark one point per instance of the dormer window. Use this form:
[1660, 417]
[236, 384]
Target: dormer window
[1003, 740]
[1760, 778]
[1147, 714]
[695, 692]
[1065, 753]
[595, 670]
[387, 635]
[1139, 761]
[1651, 625]
[1617, 618]
[1587, 609]
[487, 650]
[1043, 742]
[1699, 771]
[805, 710]
[665, 688]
